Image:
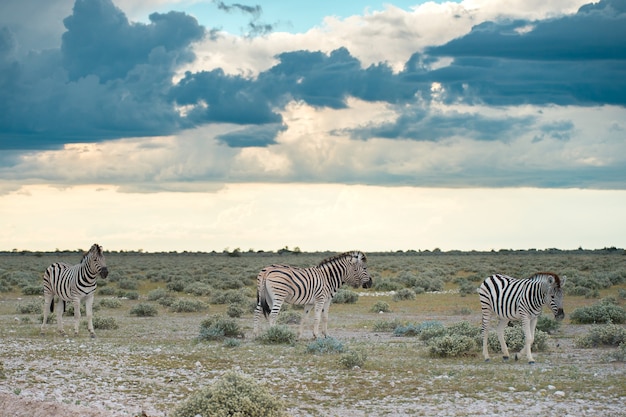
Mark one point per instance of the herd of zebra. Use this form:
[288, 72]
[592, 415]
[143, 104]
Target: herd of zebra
[500, 295]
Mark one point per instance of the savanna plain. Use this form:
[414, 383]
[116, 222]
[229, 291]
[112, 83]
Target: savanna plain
[170, 325]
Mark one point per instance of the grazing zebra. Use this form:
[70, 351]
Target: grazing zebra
[73, 283]
[312, 287]
[519, 299]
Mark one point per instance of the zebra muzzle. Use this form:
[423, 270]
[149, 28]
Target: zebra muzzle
[104, 272]
[560, 314]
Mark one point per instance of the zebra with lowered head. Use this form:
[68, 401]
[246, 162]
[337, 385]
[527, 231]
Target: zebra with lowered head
[312, 287]
[519, 299]
[73, 283]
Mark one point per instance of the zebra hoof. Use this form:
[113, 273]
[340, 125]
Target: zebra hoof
[92, 335]
[506, 358]
[516, 358]
[531, 362]
[488, 360]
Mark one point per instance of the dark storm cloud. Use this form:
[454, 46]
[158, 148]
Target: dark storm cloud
[111, 78]
[252, 136]
[578, 59]
[255, 26]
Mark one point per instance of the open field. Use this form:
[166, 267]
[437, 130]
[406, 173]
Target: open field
[151, 364]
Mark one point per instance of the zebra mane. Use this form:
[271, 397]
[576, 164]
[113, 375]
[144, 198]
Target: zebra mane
[557, 280]
[353, 253]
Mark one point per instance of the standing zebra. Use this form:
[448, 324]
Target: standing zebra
[519, 299]
[312, 287]
[73, 283]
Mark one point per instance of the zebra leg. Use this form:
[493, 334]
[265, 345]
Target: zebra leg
[89, 312]
[325, 317]
[307, 310]
[500, 330]
[59, 309]
[275, 310]
[529, 337]
[76, 315]
[47, 304]
[257, 318]
[485, 330]
[319, 306]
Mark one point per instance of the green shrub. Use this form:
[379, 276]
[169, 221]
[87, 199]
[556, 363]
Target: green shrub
[386, 325]
[218, 327]
[404, 294]
[289, 317]
[156, 294]
[277, 335]
[344, 296]
[231, 342]
[386, 285]
[601, 312]
[325, 345]
[110, 303]
[548, 324]
[102, 323]
[234, 394]
[234, 310]
[514, 337]
[619, 354]
[466, 287]
[107, 291]
[431, 330]
[131, 295]
[32, 290]
[144, 310]
[198, 288]
[602, 335]
[30, 307]
[229, 297]
[463, 328]
[176, 286]
[353, 359]
[187, 306]
[128, 284]
[451, 346]
[380, 306]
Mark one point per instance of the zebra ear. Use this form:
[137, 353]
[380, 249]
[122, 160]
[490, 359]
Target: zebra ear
[563, 278]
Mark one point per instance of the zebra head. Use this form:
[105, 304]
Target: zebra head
[555, 294]
[97, 263]
[359, 276]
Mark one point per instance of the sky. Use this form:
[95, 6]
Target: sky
[200, 125]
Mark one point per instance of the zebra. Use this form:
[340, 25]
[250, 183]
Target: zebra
[73, 283]
[519, 299]
[312, 287]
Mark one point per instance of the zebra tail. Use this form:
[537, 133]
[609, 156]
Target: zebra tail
[262, 300]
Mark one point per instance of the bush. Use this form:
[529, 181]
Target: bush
[187, 306]
[229, 297]
[620, 354]
[386, 285]
[156, 294]
[110, 303]
[30, 307]
[234, 394]
[602, 335]
[102, 323]
[601, 312]
[218, 327]
[432, 328]
[404, 294]
[232, 342]
[547, 324]
[128, 284]
[176, 286]
[380, 306]
[234, 310]
[289, 317]
[466, 287]
[345, 297]
[32, 290]
[325, 345]
[464, 328]
[197, 288]
[514, 337]
[107, 291]
[353, 359]
[277, 335]
[144, 310]
[131, 295]
[386, 325]
[451, 346]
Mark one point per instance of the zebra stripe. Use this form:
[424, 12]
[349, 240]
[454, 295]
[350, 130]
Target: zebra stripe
[519, 299]
[73, 283]
[312, 287]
